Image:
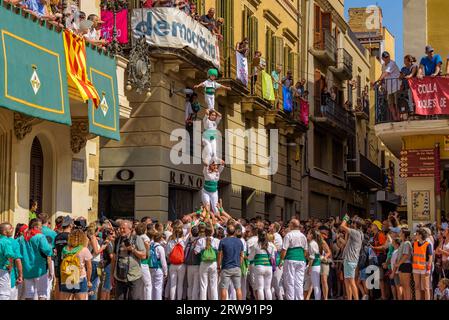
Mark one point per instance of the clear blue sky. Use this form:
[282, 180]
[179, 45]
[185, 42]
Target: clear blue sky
[392, 19]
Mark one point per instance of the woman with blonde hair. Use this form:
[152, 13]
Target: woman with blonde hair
[76, 267]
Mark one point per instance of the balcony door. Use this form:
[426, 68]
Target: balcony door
[323, 23]
[36, 173]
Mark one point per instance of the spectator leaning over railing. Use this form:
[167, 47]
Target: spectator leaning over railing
[430, 65]
[410, 70]
[94, 33]
[208, 20]
[390, 78]
[276, 77]
[243, 47]
[164, 3]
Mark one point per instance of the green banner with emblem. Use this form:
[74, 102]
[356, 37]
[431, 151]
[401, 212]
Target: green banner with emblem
[33, 77]
[102, 72]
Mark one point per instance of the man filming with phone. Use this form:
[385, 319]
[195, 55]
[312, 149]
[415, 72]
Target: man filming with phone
[127, 274]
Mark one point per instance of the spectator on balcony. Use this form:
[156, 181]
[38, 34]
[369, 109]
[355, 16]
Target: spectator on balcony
[164, 3]
[184, 6]
[208, 20]
[193, 12]
[447, 66]
[431, 64]
[276, 77]
[147, 4]
[410, 70]
[287, 81]
[243, 47]
[257, 66]
[94, 33]
[36, 6]
[390, 79]
[217, 29]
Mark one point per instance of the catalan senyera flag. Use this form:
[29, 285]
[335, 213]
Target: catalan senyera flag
[75, 54]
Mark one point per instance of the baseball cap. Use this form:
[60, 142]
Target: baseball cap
[395, 230]
[67, 221]
[429, 49]
[385, 54]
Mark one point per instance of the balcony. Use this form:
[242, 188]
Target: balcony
[364, 174]
[183, 41]
[329, 114]
[36, 83]
[394, 122]
[324, 47]
[229, 75]
[343, 70]
[291, 123]
[361, 109]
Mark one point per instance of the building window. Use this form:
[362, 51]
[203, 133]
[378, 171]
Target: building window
[270, 50]
[269, 205]
[116, 201]
[250, 30]
[319, 150]
[36, 173]
[248, 159]
[337, 158]
[289, 209]
[180, 201]
[289, 163]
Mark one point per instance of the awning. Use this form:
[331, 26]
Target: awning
[102, 72]
[33, 77]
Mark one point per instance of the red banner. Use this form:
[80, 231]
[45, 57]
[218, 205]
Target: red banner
[431, 95]
[107, 29]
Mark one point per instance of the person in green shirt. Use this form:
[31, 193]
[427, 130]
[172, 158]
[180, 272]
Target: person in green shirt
[7, 257]
[33, 210]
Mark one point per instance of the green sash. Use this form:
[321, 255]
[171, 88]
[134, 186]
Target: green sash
[211, 186]
[316, 261]
[295, 254]
[210, 91]
[262, 259]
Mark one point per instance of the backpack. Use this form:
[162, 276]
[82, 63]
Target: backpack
[70, 266]
[176, 256]
[153, 261]
[191, 259]
[209, 255]
[363, 257]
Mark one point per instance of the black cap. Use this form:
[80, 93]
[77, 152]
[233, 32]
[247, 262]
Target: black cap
[67, 221]
[385, 54]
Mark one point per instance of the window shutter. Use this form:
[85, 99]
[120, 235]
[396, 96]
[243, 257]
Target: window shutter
[295, 66]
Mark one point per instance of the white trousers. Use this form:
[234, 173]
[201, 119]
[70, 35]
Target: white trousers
[262, 282]
[14, 293]
[37, 287]
[210, 149]
[210, 198]
[50, 281]
[210, 101]
[294, 279]
[176, 274]
[5, 285]
[315, 279]
[193, 282]
[243, 284]
[157, 280]
[208, 280]
[147, 286]
[276, 283]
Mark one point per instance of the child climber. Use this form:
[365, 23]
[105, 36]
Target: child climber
[210, 121]
[209, 193]
[210, 87]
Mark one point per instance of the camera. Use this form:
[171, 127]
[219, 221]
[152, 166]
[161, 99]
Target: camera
[127, 242]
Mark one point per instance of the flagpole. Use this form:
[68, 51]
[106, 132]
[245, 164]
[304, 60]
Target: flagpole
[115, 46]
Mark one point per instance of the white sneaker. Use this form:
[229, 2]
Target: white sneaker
[365, 297]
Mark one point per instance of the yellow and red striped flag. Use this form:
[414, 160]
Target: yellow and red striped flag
[75, 54]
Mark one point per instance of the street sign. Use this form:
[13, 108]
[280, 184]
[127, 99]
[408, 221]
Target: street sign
[419, 163]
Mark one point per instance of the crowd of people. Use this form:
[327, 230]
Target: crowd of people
[393, 81]
[209, 254]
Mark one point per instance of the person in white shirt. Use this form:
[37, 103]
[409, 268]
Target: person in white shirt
[313, 270]
[277, 275]
[210, 87]
[158, 265]
[207, 248]
[293, 257]
[210, 121]
[390, 78]
[209, 193]
[141, 230]
[177, 269]
[252, 241]
[263, 254]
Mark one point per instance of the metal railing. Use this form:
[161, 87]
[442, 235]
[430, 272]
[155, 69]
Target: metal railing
[328, 108]
[344, 60]
[371, 170]
[324, 40]
[394, 103]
